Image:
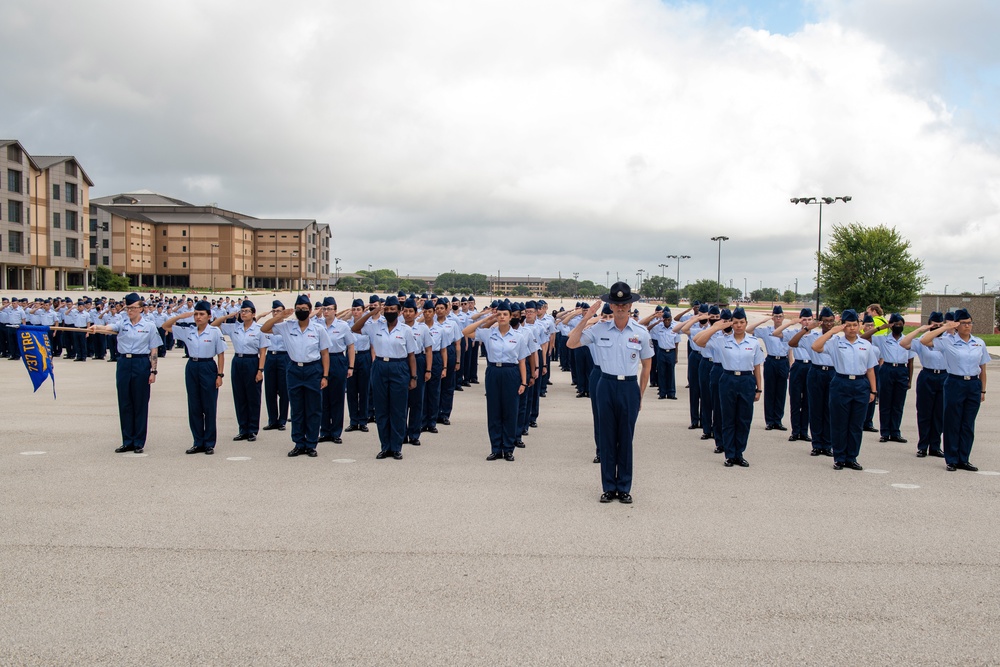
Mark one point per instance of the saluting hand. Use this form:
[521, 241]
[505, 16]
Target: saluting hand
[152, 378]
[838, 328]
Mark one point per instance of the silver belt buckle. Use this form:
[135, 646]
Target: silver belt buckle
[737, 372]
[299, 363]
[498, 364]
[966, 377]
[852, 377]
[621, 377]
[385, 358]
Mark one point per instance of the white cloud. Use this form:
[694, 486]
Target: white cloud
[536, 137]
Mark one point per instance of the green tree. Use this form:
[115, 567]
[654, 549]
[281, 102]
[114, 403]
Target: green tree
[656, 287]
[589, 289]
[765, 294]
[105, 279]
[565, 287]
[521, 290]
[705, 290]
[865, 265]
[788, 296]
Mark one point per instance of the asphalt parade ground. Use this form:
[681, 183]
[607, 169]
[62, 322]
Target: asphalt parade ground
[249, 557]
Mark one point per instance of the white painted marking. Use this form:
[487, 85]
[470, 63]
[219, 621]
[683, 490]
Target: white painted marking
[876, 471]
[906, 486]
[988, 472]
[31, 453]
[343, 460]
[238, 458]
[133, 455]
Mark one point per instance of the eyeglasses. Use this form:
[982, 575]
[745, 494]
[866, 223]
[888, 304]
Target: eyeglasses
[133, 308]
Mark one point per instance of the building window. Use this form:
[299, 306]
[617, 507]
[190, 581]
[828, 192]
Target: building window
[14, 212]
[14, 242]
[14, 153]
[164, 265]
[93, 241]
[184, 248]
[184, 232]
[93, 225]
[93, 258]
[105, 261]
[71, 248]
[71, 168]
[164, 248]
[104, 243]
[164, 232]
[55, 220]
[56, 248]
[70, 193]
[184, 265]
[55, 191]
[70, 219]
[13, 180]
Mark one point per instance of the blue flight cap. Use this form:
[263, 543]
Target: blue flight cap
[391, 300]
[606, 309]
[302, 300]
[658, 309]
[806, 312]
[935, 318]
[962, 314]
[739, 313]
[131, 298]
[714, 310]
[949, 316]
[442, 302]
[503, 305]
[329, 301]
[428, 304]
[515, 307]
[703, 308]
[373, 299]
[276, 304]
[401, 294]
[410, 303]
[777, 310]
[454, 299]
[726, 314]
[464, 300]
[541, 302]
[424, 296]
[585, 305]
[247, 303]
[493, 304]
[849, 315]
[896, 317]
[203, 305]
[318, 304]
[695, 303]
[666, 312]
[826, 312]
[531, 304]
[357, 303]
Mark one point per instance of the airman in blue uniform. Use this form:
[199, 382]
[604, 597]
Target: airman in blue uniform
[820, 374]
[424, 357]
[276, 377]
[246, 371]
[798, 376]
[895, 374]
[342, 359]
[776, 368]
[930, 388]
[665, 341]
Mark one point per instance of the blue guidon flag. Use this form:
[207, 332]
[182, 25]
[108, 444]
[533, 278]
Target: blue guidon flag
[36, 354]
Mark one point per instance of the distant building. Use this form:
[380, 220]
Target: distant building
[506, 284]
[43, 238]
[160, 241]
[982, 308]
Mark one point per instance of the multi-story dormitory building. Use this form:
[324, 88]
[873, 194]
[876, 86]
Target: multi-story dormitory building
[160, 241]
[43, 235]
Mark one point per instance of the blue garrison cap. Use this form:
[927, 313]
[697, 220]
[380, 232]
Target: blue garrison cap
[703, 308]
[401, 294]
[531, 304]
[442, 302]
[666, 312]
[739, 313]
[541, 302]
[391, 300]
[329, 301]
[428, 304]
[849, 315]
[516, 307]
[806, 312]
[695, 303]
[868, 319]
[777, 310]
[714, 310]
[247, 303]
[203, 305]
[503, 305]
[410, 303]
[606, 309]
[302, 300]
[131, 298]
[949, 317]
[464, 300]
[826, 312]
[935, 317]
[962, 314]
[725, 314]
[373, 299]
[896, 317]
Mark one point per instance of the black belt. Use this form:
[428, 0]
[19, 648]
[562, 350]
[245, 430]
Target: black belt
[802, 361]
[737, 373]
[196, 359]
[851, 377]
[390, 359]
[243, 356]
[935, 371]
[823, 368]
[499, 365]
[276, 352]
[964, 377]
[338, 354]
[305, 363]
[892, 365]
[776, 356]
[131, 355]
[609, 376]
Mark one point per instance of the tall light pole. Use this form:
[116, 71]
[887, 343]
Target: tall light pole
[819, 241]
[662, 270]
[214, 246]
[718, 276]
[336, 266]
[983, 278]
[745, 297]
[945, 289]
[678, 258]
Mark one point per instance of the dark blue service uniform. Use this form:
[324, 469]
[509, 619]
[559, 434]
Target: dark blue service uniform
[304, 380]
[850, 393]
[506, 354]
[135, 343]
[200, 375]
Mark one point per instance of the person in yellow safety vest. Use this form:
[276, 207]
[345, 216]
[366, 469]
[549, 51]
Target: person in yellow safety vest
[875, 310]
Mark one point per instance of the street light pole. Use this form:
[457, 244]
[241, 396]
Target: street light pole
[663, 270]
[718, 276]
[336, 266]
[678, 258]
[983, 278]
[819, 241]
[214, 246]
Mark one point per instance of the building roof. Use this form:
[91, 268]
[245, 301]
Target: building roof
[276, 223]
[140, 197]
[46, 161]
[7, 142]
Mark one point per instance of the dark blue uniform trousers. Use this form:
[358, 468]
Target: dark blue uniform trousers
[132, 382]
[276, 388]
[848, 405]
[654, 370]
[714, 376]
[522, 407]
[246, 393]
[775, 388]
[432, 391]
[583, 362]
[892, 396]
[80, 344]
[930, 409]
[332, 422]
[390, 389]
[535, 391]
[618, 406]
[595, 380]
[415, 400]
[666, 361]
[870, 414]
[819, 406]
[961, 406]
[203, 400]
[736, 394]
[694, 385]
[357, 388]
[448, 387]
[306, 397]
[798, 398]
[707, 399]
[502, 406]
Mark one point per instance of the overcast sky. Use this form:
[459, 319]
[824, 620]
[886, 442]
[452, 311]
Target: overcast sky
[537, 137]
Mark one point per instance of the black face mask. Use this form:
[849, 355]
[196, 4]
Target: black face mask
[391, 317]
[897, 329]
[302, 315]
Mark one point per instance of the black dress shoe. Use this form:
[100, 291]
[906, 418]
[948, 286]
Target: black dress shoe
[694, 426]
[793, 438]
[672, 398]
[580, 394]
[444, 422]
[729, 463]
[870, 429]
[252, 437]
[406, 439]
[210, 450]
[921, 454]
[337, 441]
[458, 387]
[398, 456]
[828, 452]
[936, 452]
[325, 438]
[719, 450]
[473, 381]
[742, 462]
[466, 383]
[661, 398]
[138, 450]
[363, 428]
[125, 448]
[493, 456]
[431, 429]
[883, 439]
[241, 436]
[533, 424]
[519, 443]
[296, 452]
[311, 453]
[597, 459]
[950, 468]
[967, 466]
[706, 436]
[816, 452]
[382, 454]
[779, 427]
[414, 442]
[838, 466]
[768, 427]
[897, 439]
[805, 438]
[371, 420]
[197, 449]
[625, 498]
[608, 496]
[281, 427]
[853, 465]
[508, 457]
[352, 427]
[524, 432]
[270, 427]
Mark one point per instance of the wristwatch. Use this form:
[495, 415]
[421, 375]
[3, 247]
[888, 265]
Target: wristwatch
[221, 375]
[153, 372]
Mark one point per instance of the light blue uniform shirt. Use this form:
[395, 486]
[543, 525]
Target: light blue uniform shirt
[395, 344]
[275, 343]
[245, 341]
[47, 318]
[930, 357]
[736, 355]
[449, 332]
[963, 358]
[302, 346]
[204, 345]
[851, 358]
[507, 348]
[141, 338]
[436, 334]
[528, 334]
[361, 343]
[340, 336]
[665, 336]
[776, 347]
[696, 329]
[422, 337]
[892, 352]
[618, 352]
[818, 358]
